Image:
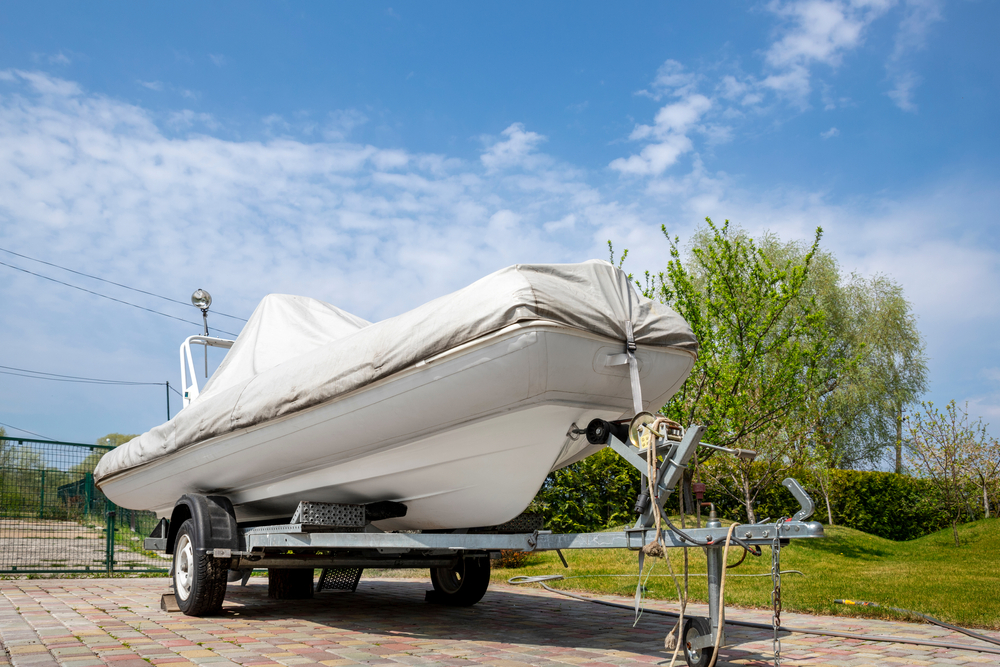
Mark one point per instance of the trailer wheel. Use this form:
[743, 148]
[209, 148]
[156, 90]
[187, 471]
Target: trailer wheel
[696, 627]
[464, 584]
[199, 581]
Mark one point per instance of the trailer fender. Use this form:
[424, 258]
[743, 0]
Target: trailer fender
[214, 520]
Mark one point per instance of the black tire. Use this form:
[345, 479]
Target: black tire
[199, 580]
[694, 627]
[463, 585]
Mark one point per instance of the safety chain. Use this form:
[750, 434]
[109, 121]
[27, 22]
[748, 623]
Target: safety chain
[776, 593]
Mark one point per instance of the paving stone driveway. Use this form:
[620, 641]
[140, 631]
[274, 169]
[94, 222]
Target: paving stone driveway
[118, 622]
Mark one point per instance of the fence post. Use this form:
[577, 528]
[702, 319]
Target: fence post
[109, 550]
[88, 491]
[41, 504]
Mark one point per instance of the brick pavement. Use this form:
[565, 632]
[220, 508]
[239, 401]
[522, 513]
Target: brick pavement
[118, 622]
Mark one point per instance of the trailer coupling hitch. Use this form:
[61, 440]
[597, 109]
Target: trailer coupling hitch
[805, 501]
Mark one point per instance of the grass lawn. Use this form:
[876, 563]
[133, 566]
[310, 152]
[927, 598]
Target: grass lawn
[960, 585]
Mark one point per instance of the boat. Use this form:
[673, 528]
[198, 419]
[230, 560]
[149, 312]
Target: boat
[458, 409]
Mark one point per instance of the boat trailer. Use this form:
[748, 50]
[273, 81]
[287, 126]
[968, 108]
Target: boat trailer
[210, 548]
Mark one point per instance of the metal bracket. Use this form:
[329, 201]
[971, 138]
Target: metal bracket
[533, 538]
[627, 452]
[671, 470]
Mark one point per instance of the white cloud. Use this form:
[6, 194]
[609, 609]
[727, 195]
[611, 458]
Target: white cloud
[731, 88]
[810, 33]
[46, 85]
[919, 16]
[341, 123]
[217, 59]
[86, 176]
[902, 94]
[671, 79]
[669, 131]
[98, 184]
[815, 31]
[152, 85]
[186, 119]
[516, 150]
[566, 223]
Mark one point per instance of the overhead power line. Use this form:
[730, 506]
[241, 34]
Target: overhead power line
[24, 430]
[111, 282]
[59, 377]
[111, 298]
[79, 379]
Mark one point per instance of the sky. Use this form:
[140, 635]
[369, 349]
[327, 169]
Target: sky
[376, 156]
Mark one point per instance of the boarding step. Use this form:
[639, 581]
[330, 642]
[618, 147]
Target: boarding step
[311, 516]
[339, 579]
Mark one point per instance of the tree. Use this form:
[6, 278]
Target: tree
[983, 465]
[939, 448]
[595, 493]
[877, 352]
[88, 464]
[879, 330]
[765, 349]
[16, 456]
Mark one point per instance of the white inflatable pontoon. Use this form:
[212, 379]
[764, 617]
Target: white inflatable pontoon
[457, 409]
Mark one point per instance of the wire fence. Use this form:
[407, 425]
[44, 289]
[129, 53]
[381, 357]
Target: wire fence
[53, 518]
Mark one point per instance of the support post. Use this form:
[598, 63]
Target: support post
[713, 555]
[41, 503]
[88, 492]
[109, 546]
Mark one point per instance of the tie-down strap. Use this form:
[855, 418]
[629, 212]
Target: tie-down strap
[633, 368]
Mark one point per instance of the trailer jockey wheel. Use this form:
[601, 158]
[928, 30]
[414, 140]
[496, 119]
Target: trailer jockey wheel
[199, 580]
[697, 627]
[464, 584]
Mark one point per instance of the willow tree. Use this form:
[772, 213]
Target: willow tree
[878, 331]
[765, 351]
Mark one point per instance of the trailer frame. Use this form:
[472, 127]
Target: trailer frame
[348, 540]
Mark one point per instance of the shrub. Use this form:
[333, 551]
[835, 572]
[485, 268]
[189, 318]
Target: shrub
[511, 558]
[599, 492]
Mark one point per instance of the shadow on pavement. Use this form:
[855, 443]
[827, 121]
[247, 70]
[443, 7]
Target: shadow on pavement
[503, 616]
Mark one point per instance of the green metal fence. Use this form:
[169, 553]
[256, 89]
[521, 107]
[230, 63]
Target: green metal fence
[53, 518]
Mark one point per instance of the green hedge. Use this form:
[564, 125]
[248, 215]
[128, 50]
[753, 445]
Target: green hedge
[599, 492]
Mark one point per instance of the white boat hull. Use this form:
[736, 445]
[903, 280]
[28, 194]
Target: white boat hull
[465, 439]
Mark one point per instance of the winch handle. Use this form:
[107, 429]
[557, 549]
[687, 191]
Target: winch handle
[800, 495]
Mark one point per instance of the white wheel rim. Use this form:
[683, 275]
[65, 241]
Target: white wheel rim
[183, 567]
[450, 579]
[694, 654]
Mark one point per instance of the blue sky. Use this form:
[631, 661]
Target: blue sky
[380, 155]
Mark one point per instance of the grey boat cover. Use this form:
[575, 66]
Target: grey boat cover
[295, 352]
